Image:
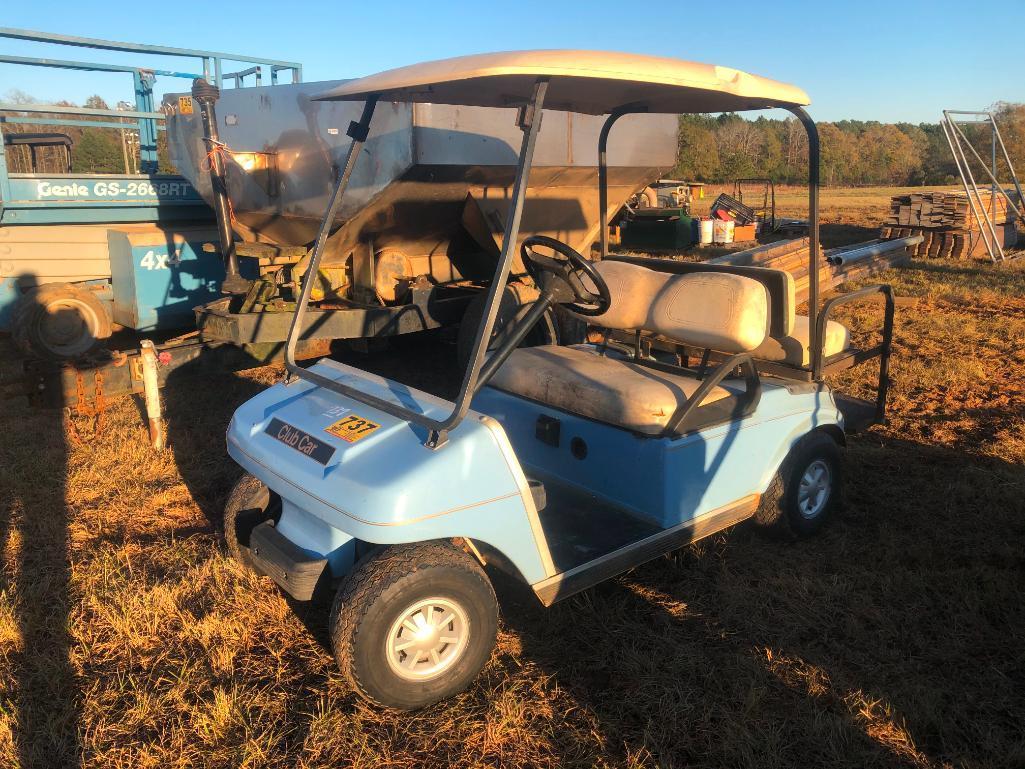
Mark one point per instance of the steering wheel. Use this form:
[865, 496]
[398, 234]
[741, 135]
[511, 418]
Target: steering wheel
[564, 276]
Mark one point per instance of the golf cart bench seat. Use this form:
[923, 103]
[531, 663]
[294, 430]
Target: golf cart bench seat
[788, 338]
[727, 312]
[606, 388]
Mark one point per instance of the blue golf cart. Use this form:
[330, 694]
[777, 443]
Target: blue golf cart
[563, 465]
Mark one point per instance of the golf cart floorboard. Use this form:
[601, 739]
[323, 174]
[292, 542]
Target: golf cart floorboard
[580, 526]
[592, 544]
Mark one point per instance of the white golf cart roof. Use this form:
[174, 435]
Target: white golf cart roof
[590, 82]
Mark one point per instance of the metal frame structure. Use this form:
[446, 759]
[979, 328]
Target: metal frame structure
[212, 60]
[958, 141]
[144, 118]
[813, 217]
[767, 209]
[35, 141]
[529, 123]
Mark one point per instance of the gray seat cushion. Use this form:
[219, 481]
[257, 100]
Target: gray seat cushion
[607, 389]
[707, 309]
[794, 348]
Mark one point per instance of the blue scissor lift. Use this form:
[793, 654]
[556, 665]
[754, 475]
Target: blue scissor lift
[84, 254]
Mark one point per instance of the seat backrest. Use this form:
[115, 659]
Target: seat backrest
[714, 310]
[779, 284]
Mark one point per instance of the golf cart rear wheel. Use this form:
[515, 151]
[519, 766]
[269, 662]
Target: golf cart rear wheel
[414, 624]
[805, 490]
[59, 321]
[249, 504]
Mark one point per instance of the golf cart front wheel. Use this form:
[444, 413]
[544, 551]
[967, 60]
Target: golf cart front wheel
[249, 504]
[414, 624]
[806, 490]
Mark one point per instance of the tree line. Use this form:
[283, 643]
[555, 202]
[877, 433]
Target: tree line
[725, 147]
[93, 150]
[717, 148]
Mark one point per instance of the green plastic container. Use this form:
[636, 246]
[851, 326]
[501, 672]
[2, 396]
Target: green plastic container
[669, 228]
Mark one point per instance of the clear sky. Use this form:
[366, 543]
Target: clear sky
[896, 60]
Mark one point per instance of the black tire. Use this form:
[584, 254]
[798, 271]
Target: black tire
[382, 589]
[59, 321]
[780, 510]
[249, 504]
[515, 302]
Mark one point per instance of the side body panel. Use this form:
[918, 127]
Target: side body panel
[34, 256]
[157, 274]
[667, 480]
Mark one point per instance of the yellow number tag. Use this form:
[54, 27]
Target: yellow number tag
[185, 105]
[352, 428]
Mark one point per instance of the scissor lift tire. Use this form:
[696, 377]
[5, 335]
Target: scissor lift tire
[33, 321]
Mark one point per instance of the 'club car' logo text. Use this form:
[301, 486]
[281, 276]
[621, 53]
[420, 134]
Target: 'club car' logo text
[297, 439]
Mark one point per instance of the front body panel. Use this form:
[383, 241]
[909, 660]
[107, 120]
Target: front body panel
[386, 487]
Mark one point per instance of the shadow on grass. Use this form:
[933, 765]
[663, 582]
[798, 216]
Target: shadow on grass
[894, 639]
[196, 428]
[836, 234]
[41, 701]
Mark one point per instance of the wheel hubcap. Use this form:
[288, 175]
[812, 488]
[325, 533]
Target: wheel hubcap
[67, 327]
[815, 489]
[427, 638]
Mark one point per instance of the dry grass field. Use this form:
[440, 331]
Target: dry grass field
[896, 638]
[852, 214]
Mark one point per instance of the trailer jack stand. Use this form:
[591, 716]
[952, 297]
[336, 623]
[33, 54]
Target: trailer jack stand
[151, 391]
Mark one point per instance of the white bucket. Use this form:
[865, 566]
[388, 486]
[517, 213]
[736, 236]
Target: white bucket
[722, 231]
[706, 230]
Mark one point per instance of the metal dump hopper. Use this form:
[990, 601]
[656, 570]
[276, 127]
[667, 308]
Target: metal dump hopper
[427, 199]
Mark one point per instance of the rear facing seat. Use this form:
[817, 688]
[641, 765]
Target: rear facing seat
[795, 349]
[788, 339]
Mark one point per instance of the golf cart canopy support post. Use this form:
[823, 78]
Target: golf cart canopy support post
[813, 238]
[813, 216]
[529, 120]
[603, 178]
[587, 82]
[358, 132]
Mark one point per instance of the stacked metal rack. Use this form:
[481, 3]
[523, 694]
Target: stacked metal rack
[964, 151]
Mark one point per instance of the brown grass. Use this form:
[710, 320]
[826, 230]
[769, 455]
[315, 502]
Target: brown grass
[897, 638]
